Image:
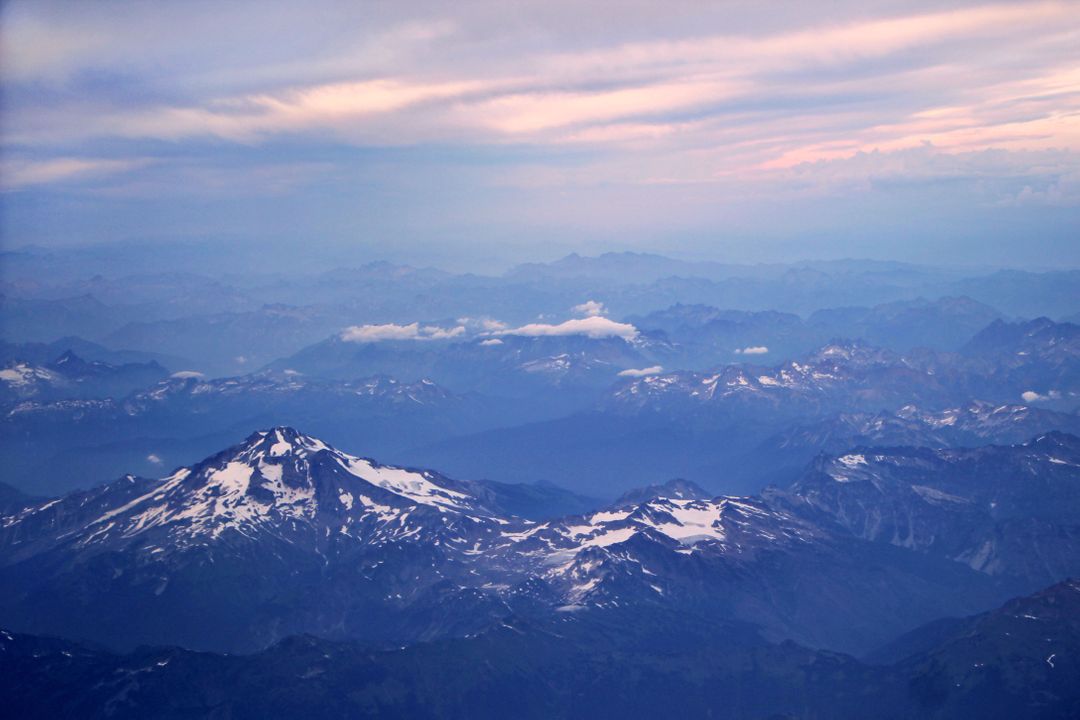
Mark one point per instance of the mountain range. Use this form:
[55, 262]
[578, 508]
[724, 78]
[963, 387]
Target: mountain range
[218, 555]
[615, 486]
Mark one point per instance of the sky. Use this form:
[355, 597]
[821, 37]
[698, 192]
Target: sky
[472, 135]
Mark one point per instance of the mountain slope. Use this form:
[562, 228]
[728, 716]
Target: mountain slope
[1008, 511]
[1013, 663]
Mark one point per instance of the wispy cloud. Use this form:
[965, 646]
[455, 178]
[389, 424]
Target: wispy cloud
[16, 174]
[536, 117]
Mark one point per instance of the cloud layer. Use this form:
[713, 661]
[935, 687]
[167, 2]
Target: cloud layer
[594, 327]
[492, 123]
[641, 372]
[390, 331]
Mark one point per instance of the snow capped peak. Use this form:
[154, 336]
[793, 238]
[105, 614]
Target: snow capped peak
[283, 483]
[280, 442]
[22, 374]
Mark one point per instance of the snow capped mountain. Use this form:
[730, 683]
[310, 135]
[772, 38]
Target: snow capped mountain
[392, 555]
[967, 425]
[69, 376]
[1039, 365]
[279, 482]
[620, 554]
[238, 538]
[848, 374]
[23, 379]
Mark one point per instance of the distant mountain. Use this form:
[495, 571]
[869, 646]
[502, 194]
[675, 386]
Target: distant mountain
[52, 446]
[236, 342]
[157, 295]
[41, 353]
[735, 428]
[1035, 361]
[977, 423]
[71, 377]
[1002, 510]
[630, 268]
[705, 336]
[1023, 294]
[841, 374]
[677, 489]
[1041, 356]
[34, 320]
[512, 365]
[943, 324]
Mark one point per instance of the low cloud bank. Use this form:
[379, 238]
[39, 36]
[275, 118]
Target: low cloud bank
[642, 372]
[752, 350]
[391, 331]
[1032, 396]
[593, 327]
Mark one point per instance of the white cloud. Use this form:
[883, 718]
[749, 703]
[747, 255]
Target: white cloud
[152, 458]
[593, 327]
[184, 374]
[642, 372]
[482, 324]
[590, 308]
[431, 332]
[391, 331]
[1032, 396]
[376, 333]
[752, 350]
[491, 341]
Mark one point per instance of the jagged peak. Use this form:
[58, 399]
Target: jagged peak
[1055, 439]
[283, 440]
[279, 481]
